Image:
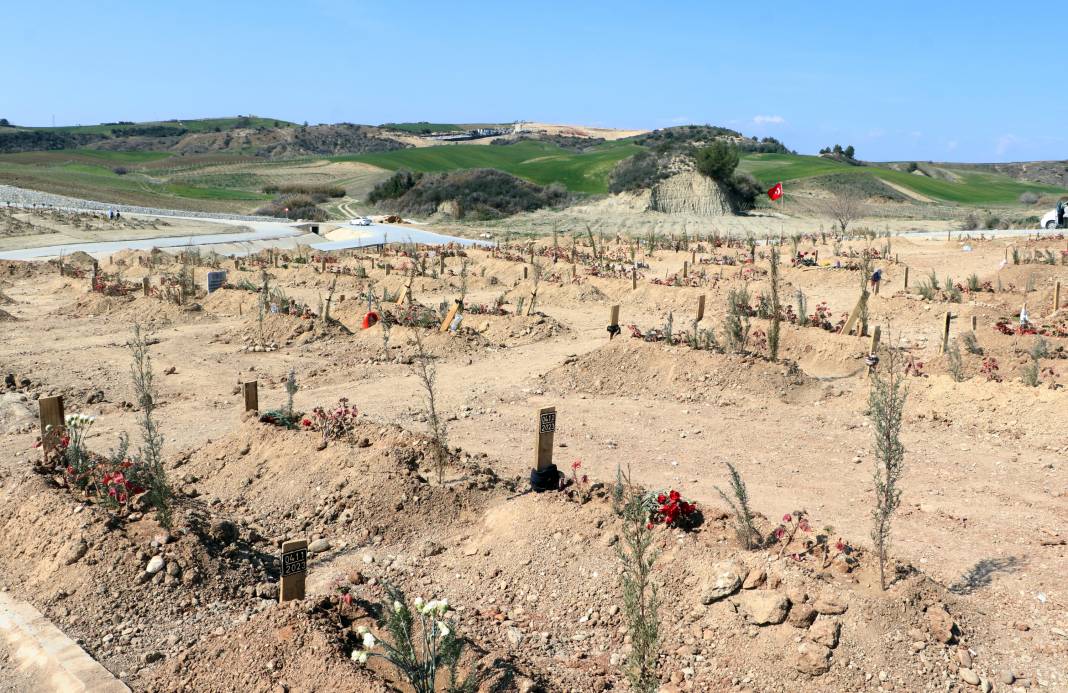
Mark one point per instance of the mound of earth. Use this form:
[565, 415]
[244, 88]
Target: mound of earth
[690, 193]
[627, 366]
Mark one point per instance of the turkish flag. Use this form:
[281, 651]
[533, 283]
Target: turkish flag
[776, 191]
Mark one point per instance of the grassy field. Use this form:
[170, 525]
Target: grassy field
[540, 162]
[971, 188]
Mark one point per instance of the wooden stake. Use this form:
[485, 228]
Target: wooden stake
[251, 391]
[450, 316]
[613, 320]
[974, 321]
[294, 570]
[861, 302]
[685, 269]
[945, 333]
[700, 307]
[145, 285]
[633, 278]
[906, 277]
[1056, 297]
[543, 445]
[524, 271]
[50, 412]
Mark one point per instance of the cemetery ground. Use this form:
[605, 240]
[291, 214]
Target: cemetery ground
[975, 600]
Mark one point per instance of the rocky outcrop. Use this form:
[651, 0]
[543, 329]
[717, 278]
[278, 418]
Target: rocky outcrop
[690, 193]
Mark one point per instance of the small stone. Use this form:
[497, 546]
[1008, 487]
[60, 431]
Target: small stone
[319, 545]
[941, 624]
[765, 608]
[74, 552]
[151, 657]
[1007, 677]
[755, 578]
[812, 658]
[155, 565]
[830, 605]
[968, 676]
[825, 632]
[724, 580]
[515, 636]
[964, 657]
[802, 616]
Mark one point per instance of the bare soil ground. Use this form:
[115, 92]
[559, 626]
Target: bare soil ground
[978, 546]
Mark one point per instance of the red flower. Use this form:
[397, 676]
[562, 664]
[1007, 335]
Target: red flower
[779, 532]
[576, 464]
[787, 518]
[840, 546]
[661, 499]
[649, 526]
[675, 495]
[306, 422]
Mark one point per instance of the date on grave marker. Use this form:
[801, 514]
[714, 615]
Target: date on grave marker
[294, 569]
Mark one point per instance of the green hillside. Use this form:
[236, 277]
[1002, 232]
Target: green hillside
[969, 188]
[540, 162]
[194, 125]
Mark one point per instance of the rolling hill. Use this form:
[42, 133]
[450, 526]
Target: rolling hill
[225, 163]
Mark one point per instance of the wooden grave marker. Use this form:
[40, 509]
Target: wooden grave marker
[944, 346]
[145, 285]
[450, 316]
[848, 326]
[294, 569]
[524, 271]
[633, 278]
[1056, 297]
[685, 269]
[613, 321]
[543, 445]
[251, 392]
[50, 410]
[974, 321]
[700, 307]
[906, 277]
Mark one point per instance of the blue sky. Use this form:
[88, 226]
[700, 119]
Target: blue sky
[941, 79]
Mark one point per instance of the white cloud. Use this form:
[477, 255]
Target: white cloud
[769, 120]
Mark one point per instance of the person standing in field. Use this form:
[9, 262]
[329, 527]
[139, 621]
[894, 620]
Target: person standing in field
[876, 279]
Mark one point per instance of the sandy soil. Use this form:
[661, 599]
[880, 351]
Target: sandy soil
[980, 533]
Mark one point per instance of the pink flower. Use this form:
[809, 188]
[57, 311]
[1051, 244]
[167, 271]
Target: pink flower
[787, 518]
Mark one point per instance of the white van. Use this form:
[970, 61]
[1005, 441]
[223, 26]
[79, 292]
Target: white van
[1049, 221]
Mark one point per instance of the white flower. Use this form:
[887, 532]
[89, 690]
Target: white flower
[397, 607]
[430, 606]
[418, 603]
[361, 629]
[443, 606]
[443, 628]
[359, 656]
[368, 641]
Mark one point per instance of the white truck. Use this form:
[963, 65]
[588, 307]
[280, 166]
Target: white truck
[1055, 219]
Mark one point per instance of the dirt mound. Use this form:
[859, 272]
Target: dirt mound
[690, 193]
[132, 308]
[231, 302]
[627, 366]
[282, 330]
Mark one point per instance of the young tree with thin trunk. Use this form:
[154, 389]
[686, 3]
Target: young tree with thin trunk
[776, 316]
[886, 403]
[427, 374]
[640, 601]
[843, 208]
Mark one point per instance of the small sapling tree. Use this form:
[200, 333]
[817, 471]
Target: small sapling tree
[738, 502]
[150, 454]
[640, 600]
[427, 374]
[886, 403]
[776, 312]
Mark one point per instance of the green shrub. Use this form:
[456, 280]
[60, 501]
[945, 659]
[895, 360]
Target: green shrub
[717, 161]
